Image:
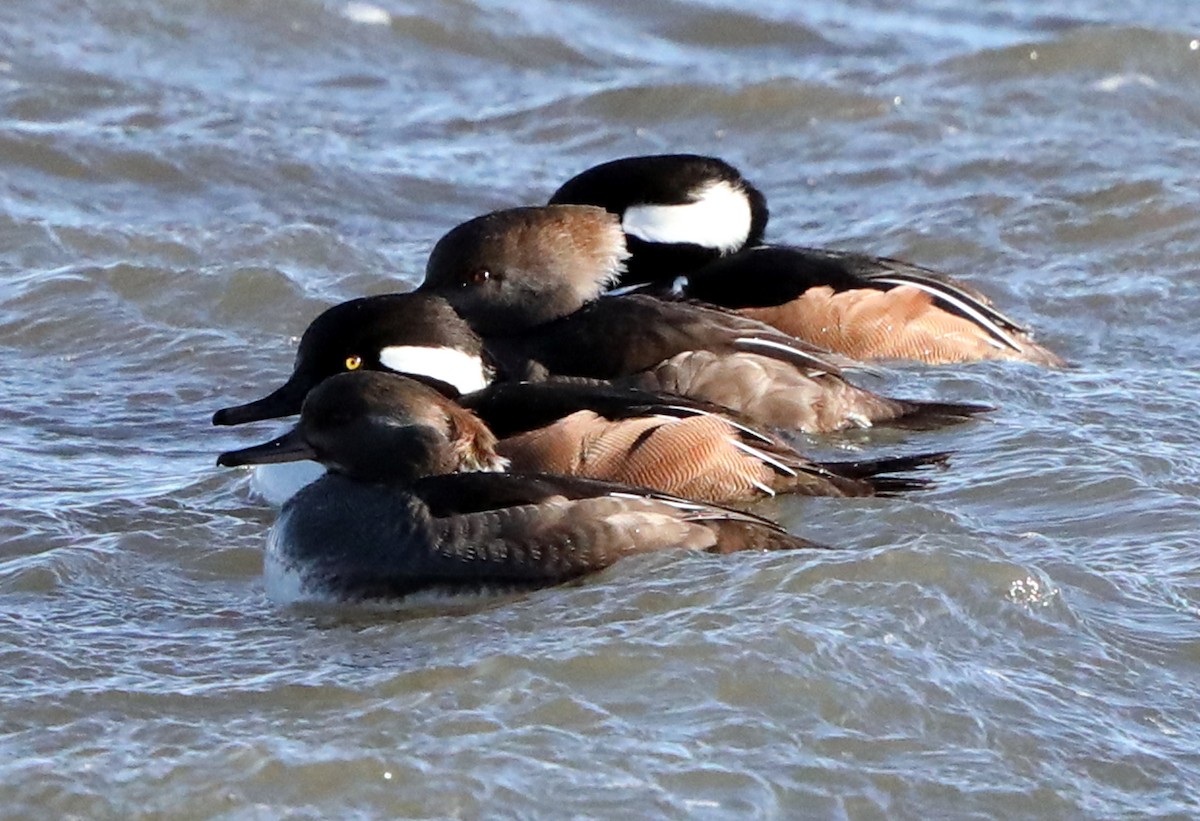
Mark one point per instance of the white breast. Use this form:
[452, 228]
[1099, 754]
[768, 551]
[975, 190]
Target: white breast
[282, 578]
[278, 483]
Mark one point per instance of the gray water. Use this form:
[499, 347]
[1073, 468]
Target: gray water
[183, 185]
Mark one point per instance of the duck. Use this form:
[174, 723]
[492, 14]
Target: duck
[694, 226]
[407, 510]
[530, 281]
[587, 428]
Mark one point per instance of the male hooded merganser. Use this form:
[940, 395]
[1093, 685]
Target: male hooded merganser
[529, 280]
[696, 224]
[582, 428]
[393, 517]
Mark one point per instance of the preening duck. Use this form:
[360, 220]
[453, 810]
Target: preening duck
[694, 227]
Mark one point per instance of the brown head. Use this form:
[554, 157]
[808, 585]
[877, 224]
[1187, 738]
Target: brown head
[380, 427]
[515, 269]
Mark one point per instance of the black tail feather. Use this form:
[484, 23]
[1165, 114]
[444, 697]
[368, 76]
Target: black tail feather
[875, 472]
[920, 414]
[889, 486]
[867, 468]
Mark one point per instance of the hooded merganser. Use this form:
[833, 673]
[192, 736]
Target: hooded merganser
[529, 280]
[393, 517]
[695, 224]
[581, 427]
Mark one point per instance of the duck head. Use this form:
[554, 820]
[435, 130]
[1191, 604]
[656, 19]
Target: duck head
[415, 334]
[516, 269]
[379, 427]
[678, 211]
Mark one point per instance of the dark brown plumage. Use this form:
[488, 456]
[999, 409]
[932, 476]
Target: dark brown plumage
[739, 464]
[392, 519]
[539, 304]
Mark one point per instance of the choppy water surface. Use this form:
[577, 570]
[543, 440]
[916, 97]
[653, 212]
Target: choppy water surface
[183, 185]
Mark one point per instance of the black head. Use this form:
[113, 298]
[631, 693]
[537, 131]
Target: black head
[678, 211]
[417, 334]
[515, 269]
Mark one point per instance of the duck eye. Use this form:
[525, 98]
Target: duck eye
[353, 363]
[477, 277]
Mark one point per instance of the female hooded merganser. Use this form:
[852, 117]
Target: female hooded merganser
[693, 223]
[393, 517]
[582, 428]
[529, 280]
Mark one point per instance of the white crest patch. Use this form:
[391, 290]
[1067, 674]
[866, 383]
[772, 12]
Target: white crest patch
[454, 367]
[719, 218]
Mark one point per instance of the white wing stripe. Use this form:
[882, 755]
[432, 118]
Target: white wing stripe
[818, 368]
[763, 457]
[964, 306]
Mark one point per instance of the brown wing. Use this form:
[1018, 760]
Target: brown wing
[901, 323]
[698, 457]
[693, 457]
[560, 538]
[770, 392]
[616, 336]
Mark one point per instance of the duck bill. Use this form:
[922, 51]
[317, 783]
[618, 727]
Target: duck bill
[285, 401]
[290, 447]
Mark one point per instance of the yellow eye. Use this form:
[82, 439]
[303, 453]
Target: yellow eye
[353, 363]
